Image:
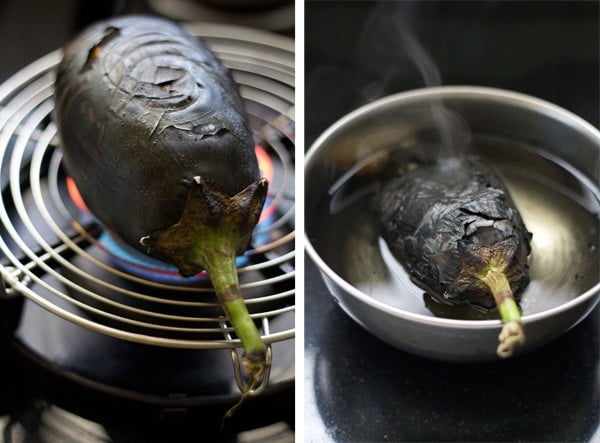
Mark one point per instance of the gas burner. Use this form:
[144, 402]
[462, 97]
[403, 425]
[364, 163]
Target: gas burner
[143, 266]
[97, 314]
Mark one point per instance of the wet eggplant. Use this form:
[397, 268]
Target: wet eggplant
[153, 133]
[455, 228]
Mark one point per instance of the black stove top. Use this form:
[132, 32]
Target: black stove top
[40, 402]
[358, 388]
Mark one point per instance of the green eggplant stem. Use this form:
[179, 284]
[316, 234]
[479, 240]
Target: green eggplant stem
[244, 326]
[218, 256]
[512, 334]
[215, 227]
[219, 259]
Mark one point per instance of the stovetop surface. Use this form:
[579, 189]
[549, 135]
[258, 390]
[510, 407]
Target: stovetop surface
[358, 388]
[40, 403]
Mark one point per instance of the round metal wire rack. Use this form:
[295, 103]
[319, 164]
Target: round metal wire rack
[58, 256]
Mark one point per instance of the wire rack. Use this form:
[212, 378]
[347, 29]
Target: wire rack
[55, 255]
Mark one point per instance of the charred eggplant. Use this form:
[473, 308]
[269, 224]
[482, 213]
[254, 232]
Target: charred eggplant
[456, 230]
[153, 133]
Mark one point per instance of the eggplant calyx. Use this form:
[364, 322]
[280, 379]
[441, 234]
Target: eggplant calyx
[488, 269]
[210, 220]
[215, 227]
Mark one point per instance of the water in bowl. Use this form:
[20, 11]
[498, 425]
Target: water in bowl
[558, 204]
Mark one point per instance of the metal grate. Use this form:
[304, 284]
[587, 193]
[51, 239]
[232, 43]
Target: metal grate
[55, 256]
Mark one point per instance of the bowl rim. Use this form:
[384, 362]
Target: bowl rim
[500, 95]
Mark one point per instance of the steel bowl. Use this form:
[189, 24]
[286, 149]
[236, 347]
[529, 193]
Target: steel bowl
[558, 153]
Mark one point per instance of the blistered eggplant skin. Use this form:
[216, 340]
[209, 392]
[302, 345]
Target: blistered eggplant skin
[448, 222]
[142, 108]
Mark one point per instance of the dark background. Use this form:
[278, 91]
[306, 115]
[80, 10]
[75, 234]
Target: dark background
[354, 52]
[30, 29]
[358, 388]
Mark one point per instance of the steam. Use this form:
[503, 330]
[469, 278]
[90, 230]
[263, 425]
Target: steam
[387, 41]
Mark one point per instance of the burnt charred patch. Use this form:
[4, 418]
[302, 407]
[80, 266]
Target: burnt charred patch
[96, 51]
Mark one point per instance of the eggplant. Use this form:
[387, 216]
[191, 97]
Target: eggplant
[153, 133]
[454, 227]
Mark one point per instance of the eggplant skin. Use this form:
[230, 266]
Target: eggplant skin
[141, 109]
[445, 222]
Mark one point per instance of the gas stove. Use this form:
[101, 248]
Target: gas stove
[101, 343]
